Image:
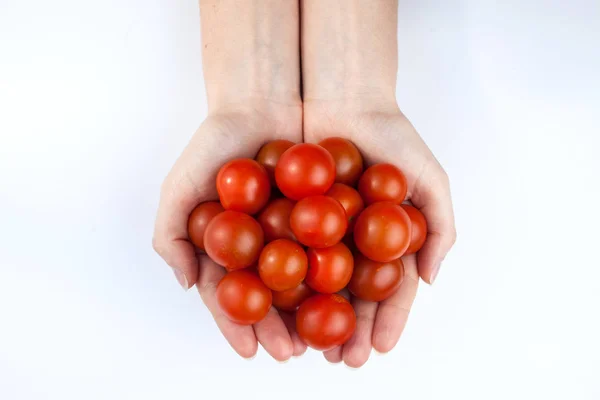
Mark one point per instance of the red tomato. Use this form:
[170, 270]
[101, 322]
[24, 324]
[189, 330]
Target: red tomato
[375, 281]
[233, 240]
[275, 220]
[329, 269]
[243, 297]
[243, 186]
[349, 199]
[318, 221]
[382, 182]
[269, 155]
[199, 219]
[282, 264]
[325, 321]
[289, 300]
[305, 170]
[382, 231]
[348, 161]
[418, 225]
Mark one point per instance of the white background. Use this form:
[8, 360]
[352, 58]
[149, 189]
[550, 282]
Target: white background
[97, 99]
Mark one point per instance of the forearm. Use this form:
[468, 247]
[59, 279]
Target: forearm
[250, 52]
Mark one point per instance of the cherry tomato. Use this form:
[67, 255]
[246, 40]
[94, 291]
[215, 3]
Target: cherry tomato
[289, 300]
[348, 161]
[382, 231]
[329, 269]
[418, 228]
[325, 321]
[375, 281]
[243, 186]
[282, 264]
[318, 221]
[199, 219]
[269, 155]
[243, 297]
[275, 220]
[305, 170]
[349, 199]
[382, 182]
[233, 240]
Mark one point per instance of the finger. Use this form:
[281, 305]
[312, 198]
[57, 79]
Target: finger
[357, 350]
[290, 322]
[273, 335]
[240, 337]
[334, 356]
[392, 313]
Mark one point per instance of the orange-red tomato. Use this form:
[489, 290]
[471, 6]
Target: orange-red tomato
[199, 219]
[275, 220]
[243, 186]
[375, 281]
[318, 221]
[382, 182]
[325, 321]
[382, 231]
[233, 240]
[289, 300]
[304, 170]
[329, 269]
[269, 155]
[348, 161]
[243, 297]
[282, 264]
[418, 228]
[349, 199]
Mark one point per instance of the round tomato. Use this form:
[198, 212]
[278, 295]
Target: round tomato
[382, 231]
[375, 281]
[282, 264]
[269, 155]
[329, 269]
[243, 186]
[199, 219]
[275, 220]
[349, 199]
[289, 300]
[318, 221]
[325, 321]
[348, 161]
[382, 182]
[243, 297]
[418, 228]
[305, 170]
[233, 240]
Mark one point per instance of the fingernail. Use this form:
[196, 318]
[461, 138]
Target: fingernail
[434, 272]
[250, 358]
[181, 279]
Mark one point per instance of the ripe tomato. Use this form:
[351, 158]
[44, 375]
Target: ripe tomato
[382, 182]
[269, 155]
[318, 221]
[233, 240]
[243, 186]
[275, 220]
[325, 321]
[282, 264]
[382, 231]
[243, 297]
[329, 269]
[375, 281]
[305, 170]
[348, 161]
[418, 228]
[289, 300]
[199, 219]
[349, 199]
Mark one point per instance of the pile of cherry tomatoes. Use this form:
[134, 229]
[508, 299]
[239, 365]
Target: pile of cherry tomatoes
[300, 223]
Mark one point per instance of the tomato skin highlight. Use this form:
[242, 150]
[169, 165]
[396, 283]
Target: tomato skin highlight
[282, 265]
[382, 182]
[268, 156]
[243, 297]
[329, 269]
[305, 170]
[375, 281]
[382, 232]
[243, 185]
[348, 161]
[325, 321]
[289, 300]
[318, 221]
[275, 220]
[348, 197]
[418, 227]
[234, 240]
[199, 219]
